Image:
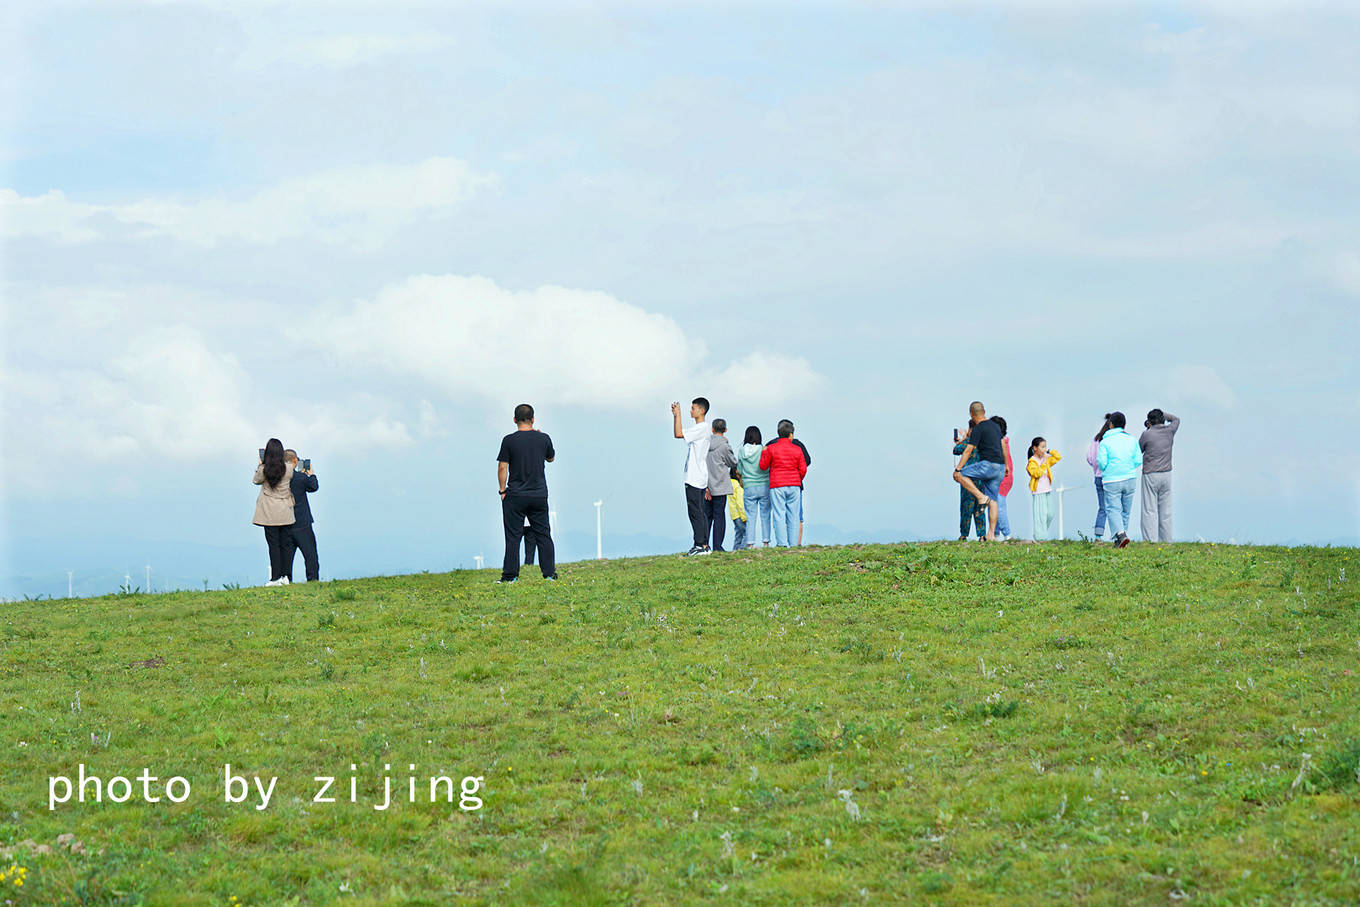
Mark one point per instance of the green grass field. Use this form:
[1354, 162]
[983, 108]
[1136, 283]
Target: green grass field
[938, 723]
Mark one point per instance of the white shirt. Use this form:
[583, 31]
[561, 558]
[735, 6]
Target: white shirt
[698, 436]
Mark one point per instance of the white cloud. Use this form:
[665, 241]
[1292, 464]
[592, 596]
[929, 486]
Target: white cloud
[1197, 384]
[351, 206]
[766, 379]
[171, 395]
[467, 335]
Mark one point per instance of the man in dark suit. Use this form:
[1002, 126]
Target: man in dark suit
[300, 534]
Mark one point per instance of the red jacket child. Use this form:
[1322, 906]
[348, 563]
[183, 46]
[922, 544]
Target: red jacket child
[785, 461]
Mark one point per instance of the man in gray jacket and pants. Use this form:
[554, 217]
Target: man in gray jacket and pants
[1156, 443]
[721, 459]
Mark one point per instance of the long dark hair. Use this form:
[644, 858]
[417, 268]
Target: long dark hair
[274, 467]
[1100, 435]
[752, 435]
[1033, 444]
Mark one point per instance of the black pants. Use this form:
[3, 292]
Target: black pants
[514, 509]
[276, 538]
[528, 549]
[700, 514]
[301, 537]
[717, 515]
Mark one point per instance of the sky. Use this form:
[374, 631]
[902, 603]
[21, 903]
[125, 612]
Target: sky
[371, 230]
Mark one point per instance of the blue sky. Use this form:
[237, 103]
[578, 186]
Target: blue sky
[371, 232]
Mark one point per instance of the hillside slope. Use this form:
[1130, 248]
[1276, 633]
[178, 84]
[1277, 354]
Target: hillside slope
[942, 722]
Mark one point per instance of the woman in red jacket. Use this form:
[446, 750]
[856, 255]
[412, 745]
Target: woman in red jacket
[1003, 521]
[787, 467]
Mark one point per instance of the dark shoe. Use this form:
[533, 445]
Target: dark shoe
[697, 549]
[551, 579]
[505, 582]
[1121, 541]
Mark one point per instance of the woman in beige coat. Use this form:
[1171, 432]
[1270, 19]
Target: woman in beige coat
[274, 506]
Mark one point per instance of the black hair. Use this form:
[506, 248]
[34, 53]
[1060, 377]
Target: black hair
[1117, 420]
[1001, 422]
[524, 413]
[1156, 417]
[1104, 427]
[719, 426]
[702, 401]
[736, 475]
[274, 467]
[752, 435]
[785, 428]
[1033, 444]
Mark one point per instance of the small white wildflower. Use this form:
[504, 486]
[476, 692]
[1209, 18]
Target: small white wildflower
[851, 807]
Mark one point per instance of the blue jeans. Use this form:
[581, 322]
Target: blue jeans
[738, 535]
[1119, 504]
[1100, 514]
[1003, 522]
[969, 513]
[784, 504]
[757, 501]
[987, 476]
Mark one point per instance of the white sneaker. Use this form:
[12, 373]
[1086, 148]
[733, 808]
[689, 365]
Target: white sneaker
[284, 581]
[273, 582]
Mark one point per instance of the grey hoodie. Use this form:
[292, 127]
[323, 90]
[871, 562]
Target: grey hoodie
[1156, 443]
[720, 463]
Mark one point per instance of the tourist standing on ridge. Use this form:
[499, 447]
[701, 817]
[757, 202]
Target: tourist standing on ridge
[720, 463]
[1003, 519]
[274, 506]
[523, 485]
[969, 511]
[755, 485]
[301, 536]
[787, 466]
[1119, 457]
[697, 439]
[802, 492]
[982, 479]
[1040, 469]
[1091, 452]
[1155, 443]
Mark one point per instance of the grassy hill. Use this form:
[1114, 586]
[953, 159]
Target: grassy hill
[941, 723]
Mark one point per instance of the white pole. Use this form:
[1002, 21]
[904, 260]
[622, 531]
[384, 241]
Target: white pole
[599, 533]
[148, 579]
[552, 523]
[1060, 510]
[70, 578]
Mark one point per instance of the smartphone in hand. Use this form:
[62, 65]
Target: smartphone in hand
[307, 465]
[261, 454]
[956, 436]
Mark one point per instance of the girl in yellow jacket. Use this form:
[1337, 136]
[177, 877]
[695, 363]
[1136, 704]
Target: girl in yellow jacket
[736, 508]
[1040, 469]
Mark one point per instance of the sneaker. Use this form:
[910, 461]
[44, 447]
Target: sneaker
[285, 581]
[693, 551]
[551, 579]
[705, 550]
[506, 582]
[274, 582]
[1121, 541]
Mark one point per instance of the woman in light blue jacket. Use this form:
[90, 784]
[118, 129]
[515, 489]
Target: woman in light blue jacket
[755, 483]
[1119, 458]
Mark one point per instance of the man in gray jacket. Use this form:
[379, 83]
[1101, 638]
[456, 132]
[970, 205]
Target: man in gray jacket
[721, 459]
[1156, 444]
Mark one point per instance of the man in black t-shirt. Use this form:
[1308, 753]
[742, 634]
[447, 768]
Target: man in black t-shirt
[982, 479]
[524, 493]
